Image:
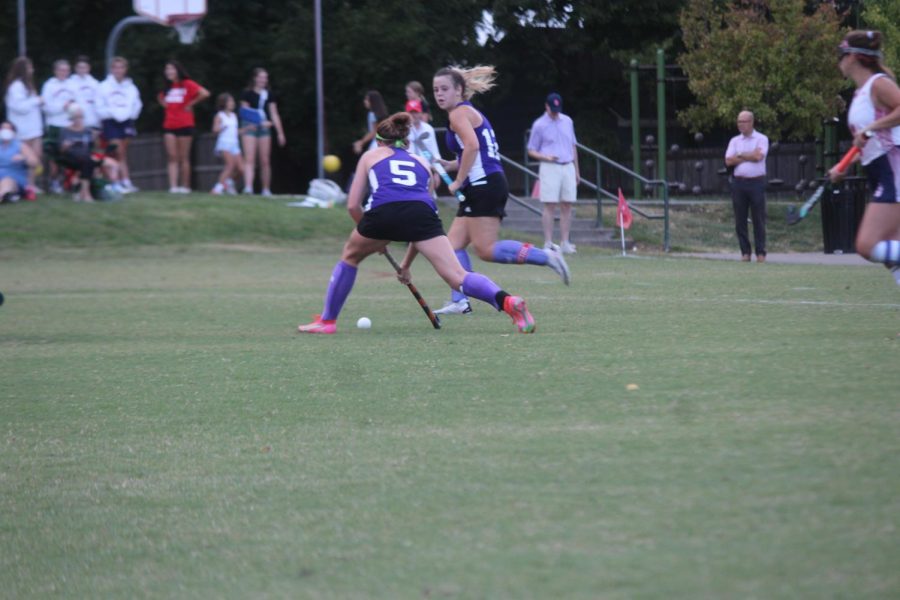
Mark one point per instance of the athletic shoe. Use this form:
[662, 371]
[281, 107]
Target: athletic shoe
[551, 246]
[248, 191]
[515, 307]
[56, 187]
[266, 192]
[218, 189]
[229, 187]
[460, 307]
[174, 190]
[567, 248]
[556, 262]
[184, 190]
[319, 326]
[128, 187]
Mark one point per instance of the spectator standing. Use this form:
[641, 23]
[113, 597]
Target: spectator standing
[23, 109]
[225, 124]
[552, 142]
[57, 93]
[257, 136]
[420, 132]
[377, 112]
[16, 159]
[179, 98]
[118, 106]
[85, 87]
[747, 152]
[874, 120]
[416, 91]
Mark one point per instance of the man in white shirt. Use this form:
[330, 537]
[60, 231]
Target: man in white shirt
[746, 153]
[553, 143]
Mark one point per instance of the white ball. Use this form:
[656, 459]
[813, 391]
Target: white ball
[364, 323]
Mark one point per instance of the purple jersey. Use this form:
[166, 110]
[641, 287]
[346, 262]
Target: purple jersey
[399, 178]
[487, 160]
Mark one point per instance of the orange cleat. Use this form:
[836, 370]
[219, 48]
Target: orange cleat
[515, 307]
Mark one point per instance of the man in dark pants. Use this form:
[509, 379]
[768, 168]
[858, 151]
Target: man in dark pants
[746, 153]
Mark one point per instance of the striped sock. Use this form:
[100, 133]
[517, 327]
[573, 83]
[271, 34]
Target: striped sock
[887, 252]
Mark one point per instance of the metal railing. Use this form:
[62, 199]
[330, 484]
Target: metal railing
[596, 186]
[661, 183]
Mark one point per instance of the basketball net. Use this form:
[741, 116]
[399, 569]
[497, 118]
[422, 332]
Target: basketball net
[187, 27]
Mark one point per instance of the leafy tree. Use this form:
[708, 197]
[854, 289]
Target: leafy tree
[768, 56]
[884, 15]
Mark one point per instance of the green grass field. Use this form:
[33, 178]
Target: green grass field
[166, 434]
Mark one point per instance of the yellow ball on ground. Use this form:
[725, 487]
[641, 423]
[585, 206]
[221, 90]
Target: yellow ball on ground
[331, 163]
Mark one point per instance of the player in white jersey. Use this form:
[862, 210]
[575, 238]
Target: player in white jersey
[874, 120]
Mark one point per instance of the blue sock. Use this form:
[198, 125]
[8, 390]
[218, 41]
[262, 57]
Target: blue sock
[479, 286]
[513, 252]
[466, 263]
[887, 252]
[339, 286]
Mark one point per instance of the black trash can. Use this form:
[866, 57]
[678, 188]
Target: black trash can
[842, 211]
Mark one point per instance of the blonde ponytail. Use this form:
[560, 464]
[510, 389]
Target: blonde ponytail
[472, 80]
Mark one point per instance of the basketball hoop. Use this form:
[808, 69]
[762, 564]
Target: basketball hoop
[187, 27]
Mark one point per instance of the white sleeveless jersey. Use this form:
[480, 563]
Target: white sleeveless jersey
[862, 114]
[229, 132]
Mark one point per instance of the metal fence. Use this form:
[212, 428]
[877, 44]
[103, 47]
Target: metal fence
[147, 160]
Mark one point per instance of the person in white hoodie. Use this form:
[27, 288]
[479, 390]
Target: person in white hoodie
[58, 94]
[85, 87]
[23, 109]
[118, 106]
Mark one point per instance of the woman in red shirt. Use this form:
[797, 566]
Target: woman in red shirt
[179, 99]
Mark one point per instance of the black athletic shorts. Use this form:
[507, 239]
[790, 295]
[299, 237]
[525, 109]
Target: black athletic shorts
[486, 198]
[411, 221]
[181, 131]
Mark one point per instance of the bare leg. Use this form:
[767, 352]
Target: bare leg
[171, 143]
[547, 221]
[37, 146]
[184, 160]
[249, 142]
[565, 220]
[122, 153]
[265, 161]
[881, 222]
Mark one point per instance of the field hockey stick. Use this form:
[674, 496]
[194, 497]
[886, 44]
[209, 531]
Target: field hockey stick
[795, 216]
[435, 321]
[437, 166]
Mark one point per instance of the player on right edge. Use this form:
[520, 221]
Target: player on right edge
[874, 120]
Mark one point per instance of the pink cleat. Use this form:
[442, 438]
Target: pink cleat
[515, 307]
[319, 326]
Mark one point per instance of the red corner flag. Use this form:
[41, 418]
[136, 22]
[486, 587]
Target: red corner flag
[623, 212]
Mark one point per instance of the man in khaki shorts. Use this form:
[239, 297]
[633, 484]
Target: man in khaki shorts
[552, 142]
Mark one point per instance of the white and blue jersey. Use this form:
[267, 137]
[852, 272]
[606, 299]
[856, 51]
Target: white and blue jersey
[399, 178]
[487, 161]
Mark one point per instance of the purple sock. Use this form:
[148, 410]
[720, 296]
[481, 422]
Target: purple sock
[339, 287]
[479, 286]
[466, 263]
[513, 252]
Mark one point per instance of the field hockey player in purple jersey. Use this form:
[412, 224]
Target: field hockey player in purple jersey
[402, 209]
[480, 177]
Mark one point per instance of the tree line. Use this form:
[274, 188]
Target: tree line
[777, 55]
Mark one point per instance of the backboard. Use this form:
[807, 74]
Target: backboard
[163, 11]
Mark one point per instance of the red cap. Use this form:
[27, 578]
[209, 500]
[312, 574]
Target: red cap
[413, 106]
